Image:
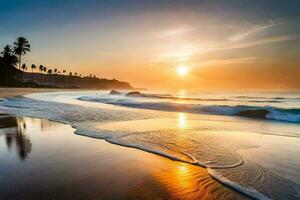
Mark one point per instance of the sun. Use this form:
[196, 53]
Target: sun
[182, 70]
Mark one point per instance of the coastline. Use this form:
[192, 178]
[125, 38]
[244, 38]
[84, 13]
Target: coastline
[157, 177]
[10, 92]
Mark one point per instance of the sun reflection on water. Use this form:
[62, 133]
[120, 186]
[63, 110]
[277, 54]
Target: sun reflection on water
[182, 121]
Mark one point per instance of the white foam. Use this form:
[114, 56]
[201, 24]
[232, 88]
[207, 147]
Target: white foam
[247, 191]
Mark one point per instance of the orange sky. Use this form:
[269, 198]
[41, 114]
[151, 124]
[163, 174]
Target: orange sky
[222, 46]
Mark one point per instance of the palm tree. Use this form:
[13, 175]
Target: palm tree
[33, 67]
[21, 47]
[8, 56]
[49, 71]
[9, 60]
[45, 70]
[24, 68]
[55, 73]
[41, 68]
[7, 51]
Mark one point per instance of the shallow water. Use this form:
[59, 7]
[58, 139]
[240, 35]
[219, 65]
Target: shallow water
[40, 159]
[256, 157]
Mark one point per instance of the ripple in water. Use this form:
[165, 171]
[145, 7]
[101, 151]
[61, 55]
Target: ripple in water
[213, 143]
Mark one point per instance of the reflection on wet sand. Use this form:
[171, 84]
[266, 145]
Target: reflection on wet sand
[63, 165]
[15, 136]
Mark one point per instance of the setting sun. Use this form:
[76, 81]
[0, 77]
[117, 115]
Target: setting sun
[182, 70]
[173, 95]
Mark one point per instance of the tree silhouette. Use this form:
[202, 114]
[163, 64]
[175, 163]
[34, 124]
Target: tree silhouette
[24, 67]
[33, 67]
[8, 61]
[55, 73]
[21, 47]
[45, 70]
[41, 68]
[49, 71]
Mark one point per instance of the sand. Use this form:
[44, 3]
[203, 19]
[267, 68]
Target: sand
[40, 159]
[9, 92]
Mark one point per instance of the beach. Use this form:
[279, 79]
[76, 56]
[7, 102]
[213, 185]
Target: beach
[41, 159]
[150, 100]
[151, 145]
[11, 92]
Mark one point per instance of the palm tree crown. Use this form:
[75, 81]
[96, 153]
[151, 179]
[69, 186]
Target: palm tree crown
[21, 47]
[33, 67]
[24, 67]
[8, 56]
[7, 51]
[41, 67]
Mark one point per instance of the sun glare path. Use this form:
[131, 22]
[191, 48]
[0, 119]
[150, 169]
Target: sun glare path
[181, 121]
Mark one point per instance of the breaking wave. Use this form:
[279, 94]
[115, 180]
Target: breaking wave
[263, 112]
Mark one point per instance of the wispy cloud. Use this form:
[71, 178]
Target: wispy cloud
[269, 40]
[274, 39]
[228, 61]
[177, 31]
[252, 30]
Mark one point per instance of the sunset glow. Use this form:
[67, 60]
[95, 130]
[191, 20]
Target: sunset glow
[182, 70]
[226, 44]
[150, 99]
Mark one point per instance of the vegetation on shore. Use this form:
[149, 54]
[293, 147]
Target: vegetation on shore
[13, 73]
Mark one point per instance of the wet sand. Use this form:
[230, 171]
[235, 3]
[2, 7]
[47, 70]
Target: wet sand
[9, 92]
[40, 159]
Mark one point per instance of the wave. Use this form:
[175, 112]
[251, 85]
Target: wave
[252, 99]
[268, 112]
[162, 142]
[168, 96]
[268, 98]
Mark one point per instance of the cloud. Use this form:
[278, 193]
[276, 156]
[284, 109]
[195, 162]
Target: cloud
[229, 61]
[274, 39]
[254, 29]
[177, 31]
[269, 40]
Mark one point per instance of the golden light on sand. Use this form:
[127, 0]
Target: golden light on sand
[182, 70]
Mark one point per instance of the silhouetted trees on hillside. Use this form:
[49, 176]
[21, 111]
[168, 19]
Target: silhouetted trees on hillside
[13, 72]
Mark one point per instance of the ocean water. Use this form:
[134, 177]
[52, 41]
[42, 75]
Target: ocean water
[247, 141]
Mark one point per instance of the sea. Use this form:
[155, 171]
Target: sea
[248, 141]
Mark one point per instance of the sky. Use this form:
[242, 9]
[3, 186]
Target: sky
[229, 44]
